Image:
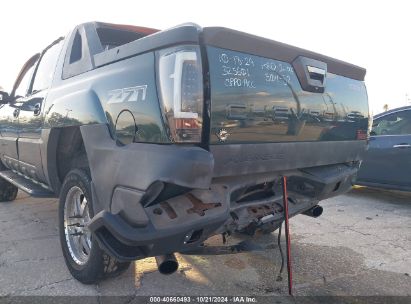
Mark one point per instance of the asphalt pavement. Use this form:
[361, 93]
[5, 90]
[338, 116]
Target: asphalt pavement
[360, 246]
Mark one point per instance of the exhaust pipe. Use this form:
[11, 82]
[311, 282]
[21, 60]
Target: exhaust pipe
[315, 211]
[167, 264]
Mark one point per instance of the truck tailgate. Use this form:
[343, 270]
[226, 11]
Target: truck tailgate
[274, 105]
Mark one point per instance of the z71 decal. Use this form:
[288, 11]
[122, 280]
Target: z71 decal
[137, 93]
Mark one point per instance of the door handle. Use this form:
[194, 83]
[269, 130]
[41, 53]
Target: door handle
[16, 113]
[402, 146]
[37, 109]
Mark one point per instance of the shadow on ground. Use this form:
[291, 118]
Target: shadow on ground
[349, 251]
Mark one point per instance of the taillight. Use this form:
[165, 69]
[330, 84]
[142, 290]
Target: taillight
[362, 134]
[180, 80]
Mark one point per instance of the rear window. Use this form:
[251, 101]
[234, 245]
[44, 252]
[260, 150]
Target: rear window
[113, 35]
[256, 99]
[111, 38]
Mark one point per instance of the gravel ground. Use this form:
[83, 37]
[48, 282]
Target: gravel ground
[360, 246]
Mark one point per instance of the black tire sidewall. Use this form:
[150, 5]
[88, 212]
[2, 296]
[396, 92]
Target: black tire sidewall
[93, 269]
[8, 192]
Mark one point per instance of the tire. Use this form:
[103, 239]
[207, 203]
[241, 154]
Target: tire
[8, 192]
[85, 260]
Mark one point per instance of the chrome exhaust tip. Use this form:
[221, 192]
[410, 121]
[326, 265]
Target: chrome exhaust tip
[167, 264]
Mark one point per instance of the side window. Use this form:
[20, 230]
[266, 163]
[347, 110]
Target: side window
[24, 85]
[76, 50]
[78, 58]
[393, 124]
[46, 68]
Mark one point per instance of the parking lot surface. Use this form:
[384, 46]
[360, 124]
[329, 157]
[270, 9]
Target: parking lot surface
[360, 246]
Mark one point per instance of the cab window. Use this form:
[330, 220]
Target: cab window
[22, 89]
[46, 68]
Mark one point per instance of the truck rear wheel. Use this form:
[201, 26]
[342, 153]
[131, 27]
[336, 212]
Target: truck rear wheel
[83, 256]
[8, 192]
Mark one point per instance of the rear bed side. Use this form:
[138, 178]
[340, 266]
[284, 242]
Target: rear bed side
[265, 115]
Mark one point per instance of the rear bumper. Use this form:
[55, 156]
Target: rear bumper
[184, 222]
[151, 199]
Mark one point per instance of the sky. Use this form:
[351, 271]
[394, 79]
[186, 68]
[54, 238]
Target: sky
[372, 34]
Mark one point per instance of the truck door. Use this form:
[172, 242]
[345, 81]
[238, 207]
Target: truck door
[8, 136]
[31, 114]
[9, 114]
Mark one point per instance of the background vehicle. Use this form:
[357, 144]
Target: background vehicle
[156, 140]
[387, 164]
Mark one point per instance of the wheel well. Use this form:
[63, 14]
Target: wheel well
[71, 152]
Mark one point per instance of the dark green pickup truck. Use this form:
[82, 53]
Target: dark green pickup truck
[156, 140]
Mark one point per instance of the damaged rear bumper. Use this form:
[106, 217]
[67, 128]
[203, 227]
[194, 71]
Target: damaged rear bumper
[175, 225]
[241, 204]
[152, 200]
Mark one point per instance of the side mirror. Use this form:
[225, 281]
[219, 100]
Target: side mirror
[4, 97]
